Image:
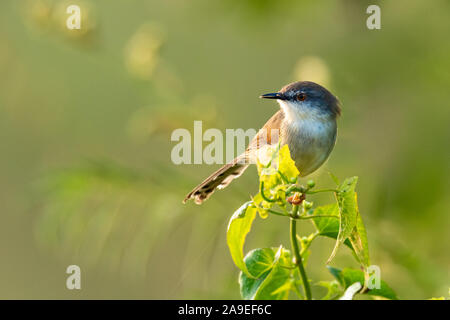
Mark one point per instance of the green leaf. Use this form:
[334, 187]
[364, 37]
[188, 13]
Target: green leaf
[261, 206]
[238, 228]
[337, 273]
[270, 280]
[334, 178]
[358, 239]
[286, 287]
[276, 171]
[286, 165]
[270, 178]
[334, 290]
[347, 277]
[348, 212]
[328, 226]
[280, 194]
[266, 157]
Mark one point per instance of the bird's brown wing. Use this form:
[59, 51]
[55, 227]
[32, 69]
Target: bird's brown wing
[269, 134]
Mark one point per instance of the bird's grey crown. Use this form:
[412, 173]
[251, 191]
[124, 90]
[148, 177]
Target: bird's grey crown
[313, 91]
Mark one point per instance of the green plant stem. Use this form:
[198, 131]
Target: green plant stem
[322, 190]
[295, 188]
[298, 257]
[283, 177]
[278, 213]
[316, 216]
[263, 195]
[301, 217]
[305, 248]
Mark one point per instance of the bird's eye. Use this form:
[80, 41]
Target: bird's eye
[301, 96]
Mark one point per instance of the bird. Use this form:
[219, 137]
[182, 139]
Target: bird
[306, 122]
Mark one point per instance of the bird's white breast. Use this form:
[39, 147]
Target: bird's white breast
[310, 137]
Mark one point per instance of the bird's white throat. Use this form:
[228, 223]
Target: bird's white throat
[296, 112]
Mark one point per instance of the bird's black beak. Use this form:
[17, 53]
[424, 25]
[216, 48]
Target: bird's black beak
[276, 95]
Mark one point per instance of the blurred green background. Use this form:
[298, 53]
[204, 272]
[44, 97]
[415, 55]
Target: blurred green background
[86, 117]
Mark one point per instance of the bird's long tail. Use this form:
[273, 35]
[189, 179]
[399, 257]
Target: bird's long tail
[218, 180]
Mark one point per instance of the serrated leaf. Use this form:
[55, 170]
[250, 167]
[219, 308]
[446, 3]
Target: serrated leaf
[348, 212]
[358, 239]
[270, 280]
[347, 277]
[334, 178]
[329, 227]
[238, 228]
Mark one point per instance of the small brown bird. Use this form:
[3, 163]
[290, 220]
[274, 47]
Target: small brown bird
[306, 121]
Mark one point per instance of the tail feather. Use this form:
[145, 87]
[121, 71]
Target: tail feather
[218, 180]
